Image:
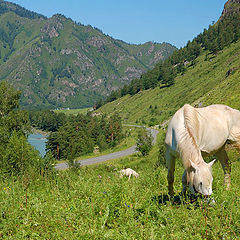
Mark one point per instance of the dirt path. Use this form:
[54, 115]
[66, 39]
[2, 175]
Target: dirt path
[115, 155]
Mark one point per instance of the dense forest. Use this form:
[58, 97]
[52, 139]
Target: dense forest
[47, 120]
[211, 41]
[73, 136]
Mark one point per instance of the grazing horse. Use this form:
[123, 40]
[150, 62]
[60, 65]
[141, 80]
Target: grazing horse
[196, 131]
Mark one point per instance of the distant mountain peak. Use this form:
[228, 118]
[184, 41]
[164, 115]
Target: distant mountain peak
[6, 6]
[57, 62]
[230, 7]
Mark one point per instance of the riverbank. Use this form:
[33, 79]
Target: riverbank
[39, 131]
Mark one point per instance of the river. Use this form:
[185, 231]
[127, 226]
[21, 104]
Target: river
[39, 142]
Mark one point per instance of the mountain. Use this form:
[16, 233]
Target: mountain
[230, 7]
[212, 80]
[60, 63]
[209, 77]
[211, 41]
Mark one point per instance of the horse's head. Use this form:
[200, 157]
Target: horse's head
[200, 178]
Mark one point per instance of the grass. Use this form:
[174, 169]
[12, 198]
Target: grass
[94, 203]
[73, 111]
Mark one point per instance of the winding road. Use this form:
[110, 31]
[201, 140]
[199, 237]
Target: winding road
[123, 153]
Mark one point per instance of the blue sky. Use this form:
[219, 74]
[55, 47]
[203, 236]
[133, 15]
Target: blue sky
[137, 21]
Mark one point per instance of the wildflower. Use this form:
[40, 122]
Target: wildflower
[127, 205]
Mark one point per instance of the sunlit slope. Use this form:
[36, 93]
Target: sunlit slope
[212, 79]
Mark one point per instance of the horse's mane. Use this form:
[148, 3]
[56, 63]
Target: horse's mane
[188, 144]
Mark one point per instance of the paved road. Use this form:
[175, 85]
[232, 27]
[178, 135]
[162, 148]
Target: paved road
[123, 153]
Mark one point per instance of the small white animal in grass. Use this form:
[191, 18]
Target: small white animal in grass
[128, 172]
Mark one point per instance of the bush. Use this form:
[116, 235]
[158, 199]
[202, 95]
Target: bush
[144, 141]
[161, 161]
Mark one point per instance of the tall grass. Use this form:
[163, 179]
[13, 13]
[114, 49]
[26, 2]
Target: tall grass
[94, 203]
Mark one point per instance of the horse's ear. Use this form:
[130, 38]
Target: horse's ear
[194, 165]
[211, 163]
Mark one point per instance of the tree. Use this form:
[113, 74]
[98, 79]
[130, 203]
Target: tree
[9, 99]
[19, 155]
[114, 130]
[16, 155]
[144, 141]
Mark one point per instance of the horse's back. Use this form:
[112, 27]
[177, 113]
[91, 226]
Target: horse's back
[218, 124]
[201, 123]
[209, 126]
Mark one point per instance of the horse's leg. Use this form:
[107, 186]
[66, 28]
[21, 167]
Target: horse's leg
[226, 165]
[184, 182]
[170, 160]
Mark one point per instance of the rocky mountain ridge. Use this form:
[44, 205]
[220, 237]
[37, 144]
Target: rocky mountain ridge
[230, 7]
[57, 62]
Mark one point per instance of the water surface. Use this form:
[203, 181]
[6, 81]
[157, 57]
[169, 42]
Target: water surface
[39, 142]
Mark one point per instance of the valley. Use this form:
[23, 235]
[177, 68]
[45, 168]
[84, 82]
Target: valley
[60, 64]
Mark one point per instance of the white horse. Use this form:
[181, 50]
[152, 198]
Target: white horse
[195, 131]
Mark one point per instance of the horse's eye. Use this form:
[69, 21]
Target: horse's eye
[201, 184]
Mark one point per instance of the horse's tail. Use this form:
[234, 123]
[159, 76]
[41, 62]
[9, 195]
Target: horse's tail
[188, 145]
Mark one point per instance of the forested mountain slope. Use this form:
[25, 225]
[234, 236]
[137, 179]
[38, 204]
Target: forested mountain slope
[211, 41]
[60, 63]
[214, 78]
[205, 71]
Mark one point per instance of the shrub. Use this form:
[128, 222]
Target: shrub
[144, 141]
[161, 151]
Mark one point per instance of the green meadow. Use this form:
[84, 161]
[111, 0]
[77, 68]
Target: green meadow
[73, 111]
[95, 203]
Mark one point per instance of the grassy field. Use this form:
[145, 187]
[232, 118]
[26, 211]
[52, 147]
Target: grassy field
[95, 203]
[73, 111]
[213, 79]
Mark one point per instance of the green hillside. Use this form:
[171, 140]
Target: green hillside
[212, 79]
[57, 62]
